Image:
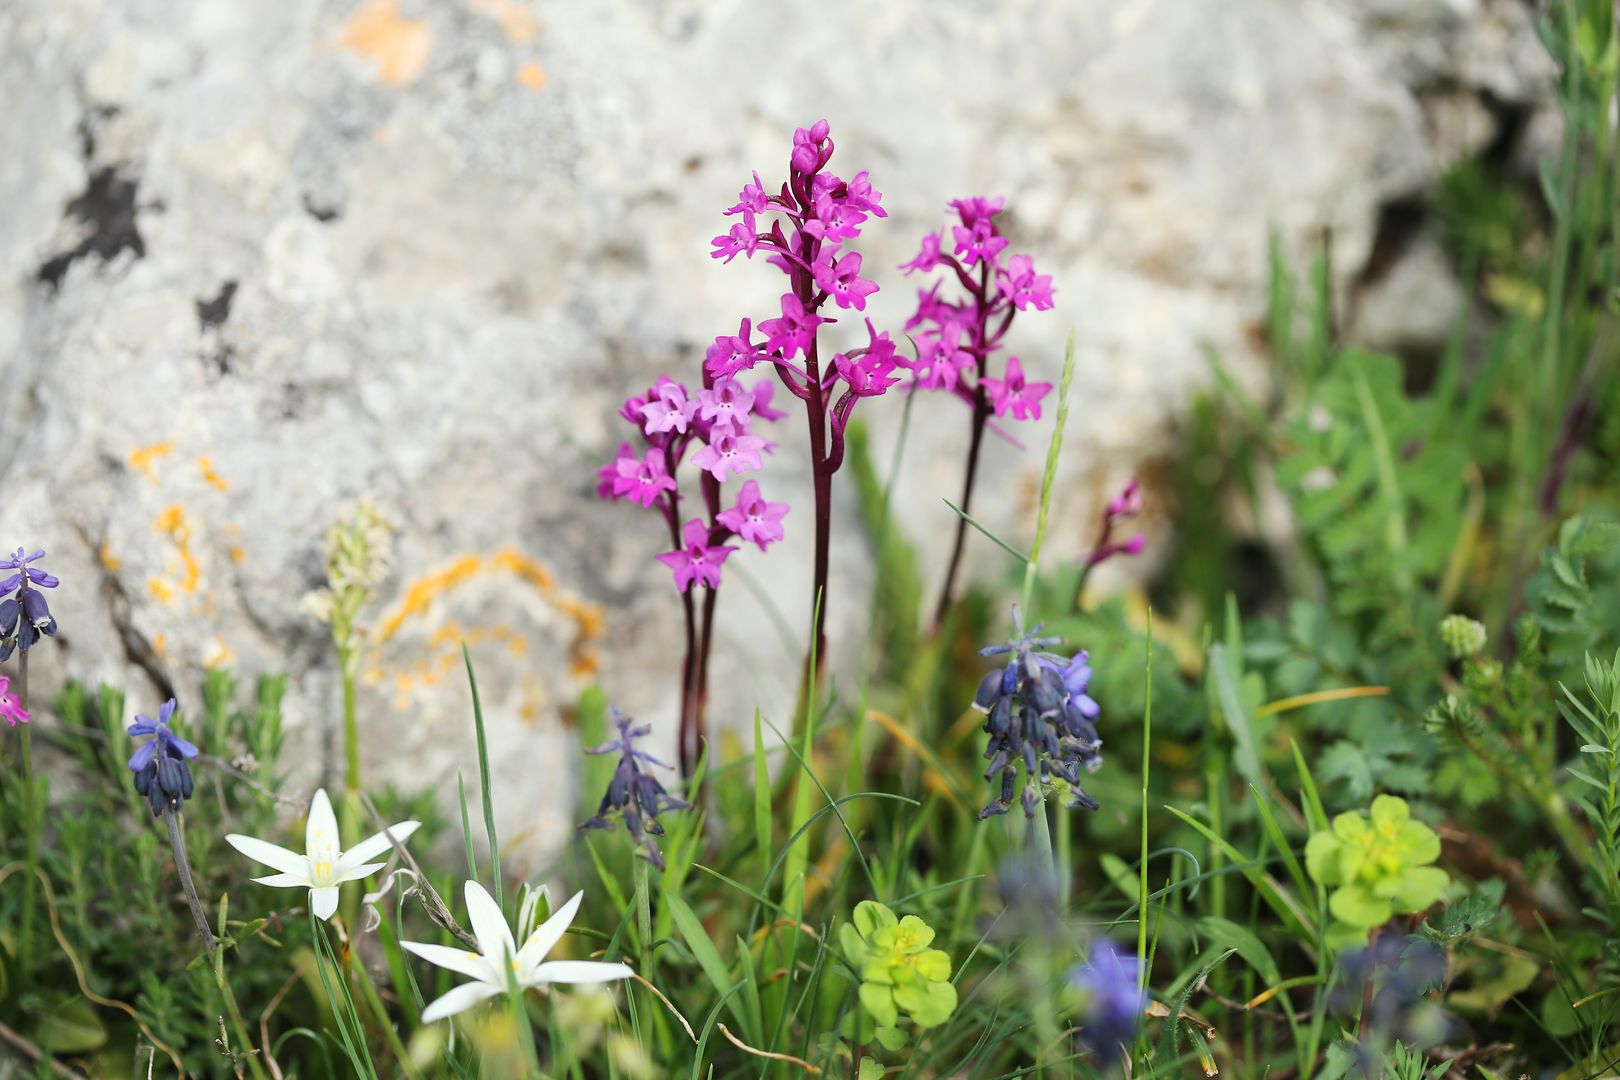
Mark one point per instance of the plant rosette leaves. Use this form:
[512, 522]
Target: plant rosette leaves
[1378, 866]
[899, 972]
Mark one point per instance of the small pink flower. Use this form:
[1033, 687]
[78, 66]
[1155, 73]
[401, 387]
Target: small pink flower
[607, 477]
[727, 404]
[642, 480]
[808, 146]
[871, 372]
[940, 358]
[794, 331]
[978, 208]
[11, 709]
[731, 354]
[1023, 286]
[1128, 502]
[835, 221]
[764, 390]
[669, 409]
[753, 198]
[842, 280]
[928, 257]
[697, 561]
[741, 239]
[729, 452]
[930, 308]
[753, 518]
[863, 196]
[978, 241]
[1014, 394]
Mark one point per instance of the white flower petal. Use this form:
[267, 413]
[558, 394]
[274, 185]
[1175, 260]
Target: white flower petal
[279, 858]
[324, 902]
[462, 997]
[373, 846]
[546, 936]
[285, 881]
[577, 971]
[355, 873]
[321, 831]
[460, 961]
[488, 925]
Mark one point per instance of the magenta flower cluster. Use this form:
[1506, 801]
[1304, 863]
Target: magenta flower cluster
[956, 338]
[713, 429]
[812, 219]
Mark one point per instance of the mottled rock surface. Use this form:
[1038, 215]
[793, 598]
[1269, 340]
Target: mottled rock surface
[259, 258]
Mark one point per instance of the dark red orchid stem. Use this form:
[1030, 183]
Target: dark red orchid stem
[691, 718]
[981, 415]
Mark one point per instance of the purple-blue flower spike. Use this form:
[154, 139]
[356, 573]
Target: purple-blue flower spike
[161, 772]
[1111, 983]
[634, 795]
[1041, 718]
[25, 616]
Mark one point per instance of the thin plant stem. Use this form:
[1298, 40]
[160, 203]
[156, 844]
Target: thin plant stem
[30, 822]
[182, 865]
[1147, 741]
[981, 417]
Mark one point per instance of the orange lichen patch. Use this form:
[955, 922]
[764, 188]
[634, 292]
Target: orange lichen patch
[219, 653]
[160, 644]
[173, 524]
[205, 465]
[162, 590]
[397, 46]
[531, 76]
[109, 562]
[237, 553]
[518, 23]
[144, 459]
[423, 591]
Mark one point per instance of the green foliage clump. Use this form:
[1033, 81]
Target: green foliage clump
[1462, 636]
[1379, 867]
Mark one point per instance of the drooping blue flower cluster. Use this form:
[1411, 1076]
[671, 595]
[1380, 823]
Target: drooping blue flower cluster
[1111, 986]
[161, 772]
[24, 615]
[1038, 714]
[634, 794]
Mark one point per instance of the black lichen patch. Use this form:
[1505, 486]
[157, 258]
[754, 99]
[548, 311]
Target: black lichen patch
[107, 207]
[211, 314]
[321, 212]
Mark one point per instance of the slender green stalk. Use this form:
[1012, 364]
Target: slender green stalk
[220, 981]
[31, 825]
[1053, 449]
[1147, 742]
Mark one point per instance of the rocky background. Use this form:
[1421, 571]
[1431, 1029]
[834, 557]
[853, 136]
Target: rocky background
[258, 258]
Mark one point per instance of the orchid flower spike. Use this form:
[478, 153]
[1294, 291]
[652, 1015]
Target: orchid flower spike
[324, 865]
[499, 964]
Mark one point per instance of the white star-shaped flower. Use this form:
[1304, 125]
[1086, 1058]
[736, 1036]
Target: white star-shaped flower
[499, 962]
[324, 865]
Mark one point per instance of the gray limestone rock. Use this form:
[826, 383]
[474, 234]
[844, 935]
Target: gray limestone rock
[259, 258]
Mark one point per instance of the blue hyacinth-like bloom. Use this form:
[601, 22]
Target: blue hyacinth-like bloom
[1111, 984]
[1038, 715]
[634, 794]
[25, 616]
[161, 772]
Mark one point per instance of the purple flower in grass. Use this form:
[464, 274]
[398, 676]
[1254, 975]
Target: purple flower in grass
[634, 795]
[161, 772]
[1127, 504]
[698, 560]
[1040, 717]
[25, 616]
[754, 519]
[1111, 986]
[11, 710]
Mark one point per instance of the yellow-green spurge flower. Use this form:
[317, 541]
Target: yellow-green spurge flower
[1380, 867]
[899, 972]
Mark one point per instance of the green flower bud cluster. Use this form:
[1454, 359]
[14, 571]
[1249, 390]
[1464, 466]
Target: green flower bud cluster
[1378, 867]
[1462, 636]
[899, 972]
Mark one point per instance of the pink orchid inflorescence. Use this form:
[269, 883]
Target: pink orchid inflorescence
[957, 338]
[804, 228]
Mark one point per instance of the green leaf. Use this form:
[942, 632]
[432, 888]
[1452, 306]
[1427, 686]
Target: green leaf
[708, 958]
[1237, 717]
[879, 1002]
[870, 1070]
[871, 916]
[890, 1038]
[1356, 905]
[71, 1028]
[1230, 935]
[1120, 875]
